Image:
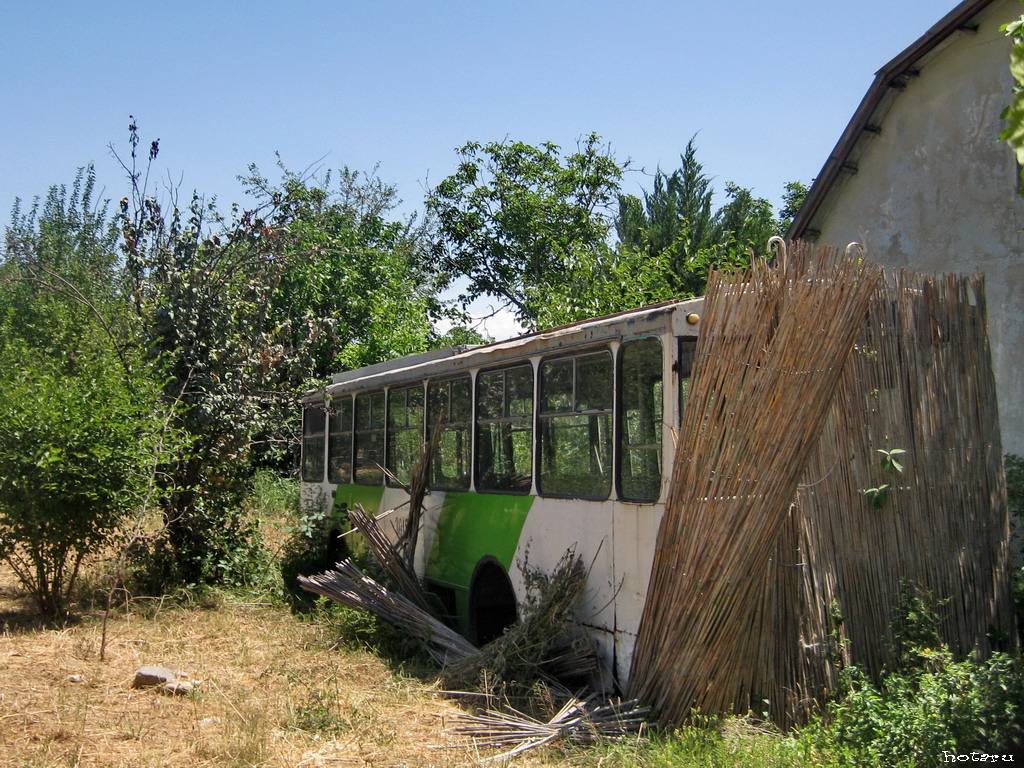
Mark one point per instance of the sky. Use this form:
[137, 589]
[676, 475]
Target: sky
[766, 88]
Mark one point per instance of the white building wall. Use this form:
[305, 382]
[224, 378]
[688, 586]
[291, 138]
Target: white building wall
[937, 191]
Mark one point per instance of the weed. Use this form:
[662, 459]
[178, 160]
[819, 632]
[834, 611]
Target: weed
[730, 742]
[926, 703]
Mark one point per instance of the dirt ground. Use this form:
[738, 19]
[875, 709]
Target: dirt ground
[272, 693]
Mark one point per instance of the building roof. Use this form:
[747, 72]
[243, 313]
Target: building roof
[867, 121]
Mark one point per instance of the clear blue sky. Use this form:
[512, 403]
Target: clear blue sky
[766, 87]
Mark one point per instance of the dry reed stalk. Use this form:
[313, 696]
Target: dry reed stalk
[409, 536]
[920, 381]
[579, 721]
[767, 364]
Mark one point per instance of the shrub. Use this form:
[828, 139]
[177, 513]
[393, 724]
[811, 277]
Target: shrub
[929, 702]
[76, 457]
[308, 550]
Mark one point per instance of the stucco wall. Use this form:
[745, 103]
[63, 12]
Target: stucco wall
[936, 191]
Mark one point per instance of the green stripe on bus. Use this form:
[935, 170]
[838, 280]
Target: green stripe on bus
[473, 526]
[366, 496]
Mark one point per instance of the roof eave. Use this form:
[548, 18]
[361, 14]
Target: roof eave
[899, 67]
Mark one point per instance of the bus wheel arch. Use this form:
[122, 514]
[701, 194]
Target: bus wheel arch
[492, 601]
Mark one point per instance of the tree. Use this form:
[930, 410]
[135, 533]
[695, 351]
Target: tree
[676, 221]
[77, 408]
[359, 291]
[246, 311]
[603, 281]
[678, 209]
[792, 201]
[513, 217]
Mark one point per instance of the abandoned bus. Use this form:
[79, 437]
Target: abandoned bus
[551, 441]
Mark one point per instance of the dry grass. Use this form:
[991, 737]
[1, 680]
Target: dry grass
[273, 693]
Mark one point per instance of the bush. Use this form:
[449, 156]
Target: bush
[77, 450]
[308, 550]
[927, 704]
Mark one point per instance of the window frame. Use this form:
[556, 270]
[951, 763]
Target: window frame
[338, 405]
[620, 418]
[539, 416]
[357, 431]
[686, 358]
[430, 420]
[530, 419]
[391, 478]
[307, 434]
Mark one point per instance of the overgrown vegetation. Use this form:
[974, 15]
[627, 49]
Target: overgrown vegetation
[150, 361]
[80, 415]
[926, 703]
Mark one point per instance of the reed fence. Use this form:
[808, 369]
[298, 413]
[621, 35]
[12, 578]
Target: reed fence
[804, 374]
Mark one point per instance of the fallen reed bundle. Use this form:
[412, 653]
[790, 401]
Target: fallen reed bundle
[349, 586]
[580, 721]
[541, 643]
[767, 363]
[391, 557]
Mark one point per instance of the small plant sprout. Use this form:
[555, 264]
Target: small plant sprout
[879, 495]
[889, 458]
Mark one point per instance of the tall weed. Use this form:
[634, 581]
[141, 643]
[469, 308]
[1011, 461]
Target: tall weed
[927, 704]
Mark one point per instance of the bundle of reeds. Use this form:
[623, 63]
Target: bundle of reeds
[767, 364]
[580, 721]
[349, 586]
[540, 644]
[390, 556]
[919, 383]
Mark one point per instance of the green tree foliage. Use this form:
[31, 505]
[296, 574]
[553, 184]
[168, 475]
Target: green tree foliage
[677, 221]
[533, 228]
[602, 281]
[513, 217]
[246, 310]
[792, 201]
[357, 291]
[78, 415]
[1013, 134]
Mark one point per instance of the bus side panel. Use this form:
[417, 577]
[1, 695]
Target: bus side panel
[369, 497]
[557, 525]
[636, 531]
[470, 528]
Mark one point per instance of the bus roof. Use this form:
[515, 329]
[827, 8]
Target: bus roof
[635, 322]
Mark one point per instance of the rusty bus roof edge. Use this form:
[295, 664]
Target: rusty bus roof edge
[410, 366]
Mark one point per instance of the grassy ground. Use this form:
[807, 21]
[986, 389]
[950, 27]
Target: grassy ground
[275, 690]
[273, 693]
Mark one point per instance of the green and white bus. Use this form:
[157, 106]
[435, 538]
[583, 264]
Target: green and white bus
[556, 440]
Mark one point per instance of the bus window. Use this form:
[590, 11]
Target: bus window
[575, 423]
[640, 412]
[369, 442]
[339, 442]
[504, 430]
[687, 348]
[313, 422]
[405, 431]
[449, 407]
